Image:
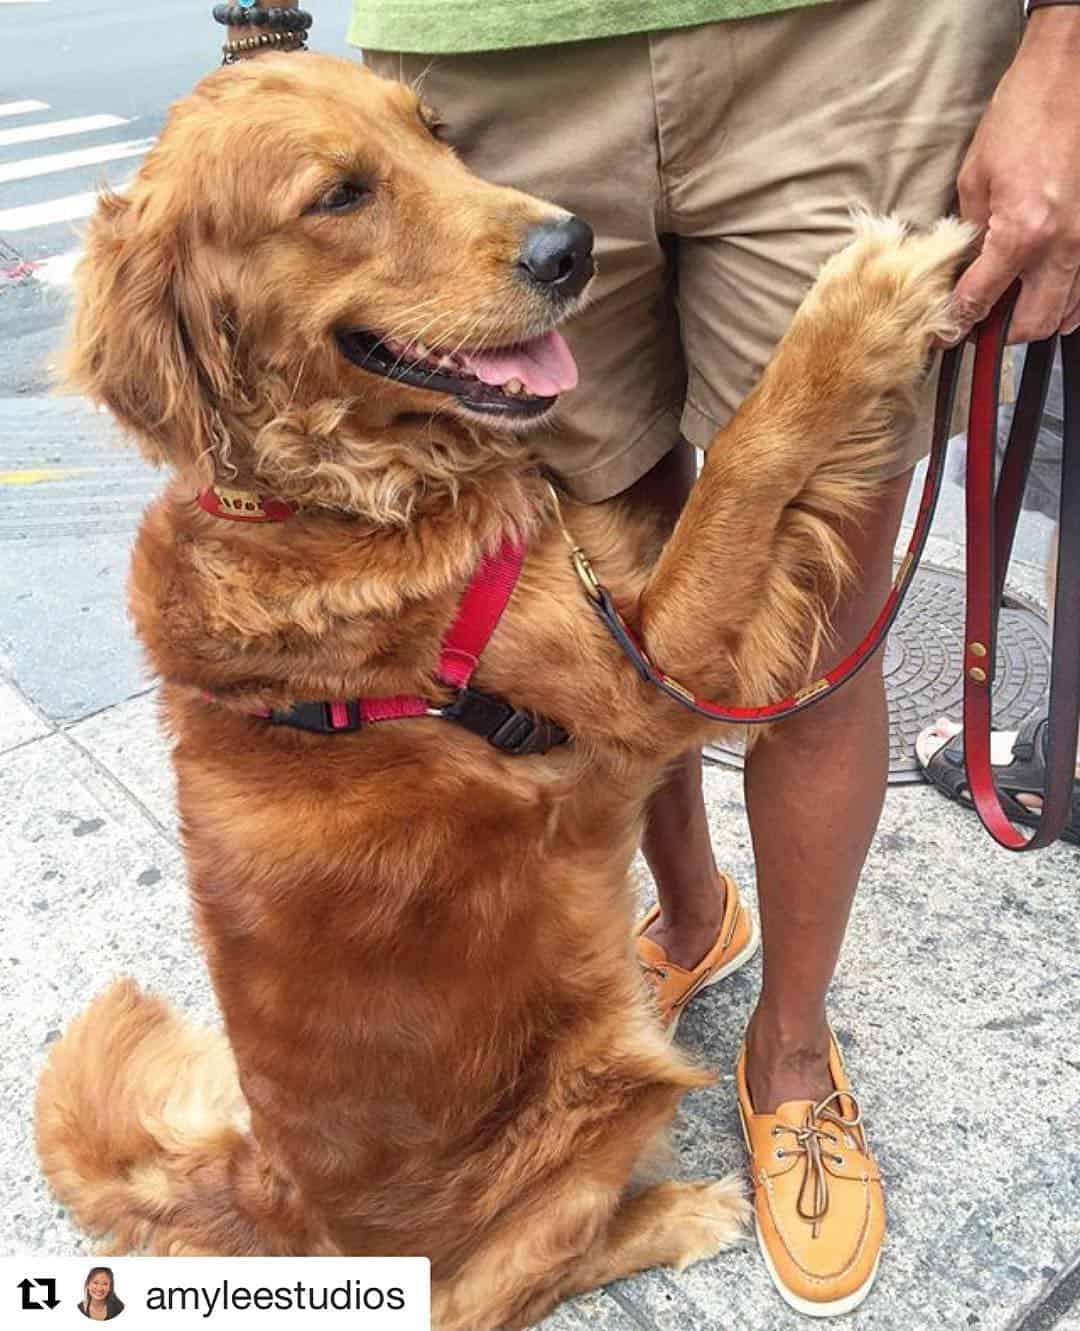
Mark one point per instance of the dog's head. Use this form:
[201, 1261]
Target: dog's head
[301, 267]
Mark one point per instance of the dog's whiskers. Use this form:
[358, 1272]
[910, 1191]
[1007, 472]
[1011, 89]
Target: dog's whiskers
[408, 339]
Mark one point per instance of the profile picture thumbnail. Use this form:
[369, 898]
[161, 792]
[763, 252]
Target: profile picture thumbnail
[99, 1301]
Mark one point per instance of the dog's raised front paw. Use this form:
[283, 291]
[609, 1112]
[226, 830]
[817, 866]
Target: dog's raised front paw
[881, 301]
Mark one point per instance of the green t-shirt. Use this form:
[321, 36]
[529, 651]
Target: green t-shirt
[434, 27]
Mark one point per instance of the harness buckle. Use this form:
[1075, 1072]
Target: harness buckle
[322, 718]
[512, 730]
[517, 733]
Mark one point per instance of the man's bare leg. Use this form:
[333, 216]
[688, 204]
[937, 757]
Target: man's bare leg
[814, 790]
[676, 843]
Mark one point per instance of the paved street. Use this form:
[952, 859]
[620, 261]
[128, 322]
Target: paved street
[84, 90]
[958, 993]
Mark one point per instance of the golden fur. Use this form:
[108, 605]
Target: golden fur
[436, 1041]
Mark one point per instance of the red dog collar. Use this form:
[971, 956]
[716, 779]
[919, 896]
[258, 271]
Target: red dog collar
[244, 505]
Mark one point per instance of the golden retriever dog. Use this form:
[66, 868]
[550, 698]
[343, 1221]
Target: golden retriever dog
[436, 1039]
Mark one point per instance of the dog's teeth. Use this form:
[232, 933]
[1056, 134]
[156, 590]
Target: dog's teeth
[420, 350]
[447, 363]
[514, 386]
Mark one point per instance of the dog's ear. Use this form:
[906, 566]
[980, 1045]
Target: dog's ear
[141, 345]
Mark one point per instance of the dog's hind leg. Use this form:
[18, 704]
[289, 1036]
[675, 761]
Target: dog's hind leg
[581, 1240]
[672, 1224]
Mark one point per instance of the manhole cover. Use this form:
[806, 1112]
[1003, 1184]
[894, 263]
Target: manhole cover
[924, 660]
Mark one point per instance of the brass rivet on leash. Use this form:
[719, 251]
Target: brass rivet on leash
[977, 674]
[679, 688]
[977, 649]
[811, 690]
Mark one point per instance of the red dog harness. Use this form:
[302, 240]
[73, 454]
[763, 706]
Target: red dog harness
[510, 729]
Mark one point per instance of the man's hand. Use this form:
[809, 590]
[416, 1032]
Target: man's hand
[1021, 182]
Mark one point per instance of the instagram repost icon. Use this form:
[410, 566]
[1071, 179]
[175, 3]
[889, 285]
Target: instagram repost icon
[39, 1293]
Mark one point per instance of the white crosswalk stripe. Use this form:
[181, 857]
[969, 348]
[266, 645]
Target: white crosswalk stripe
[57, 129]
[41, 166]
[53, 163]
[59, 270]
[21, 108]
[68, 209]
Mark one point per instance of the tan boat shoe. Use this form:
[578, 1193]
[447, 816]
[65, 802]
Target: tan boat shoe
[818, 1201]
[673, 986]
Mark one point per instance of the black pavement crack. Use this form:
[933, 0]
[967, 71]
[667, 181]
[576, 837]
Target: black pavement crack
[120, 786]
[630, 1308]
[1053, 1303]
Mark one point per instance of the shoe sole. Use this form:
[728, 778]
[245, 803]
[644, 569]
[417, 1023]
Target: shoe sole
[808, 1307]
[749, 949]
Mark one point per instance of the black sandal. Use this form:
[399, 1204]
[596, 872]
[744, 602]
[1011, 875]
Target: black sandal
[1024, 775]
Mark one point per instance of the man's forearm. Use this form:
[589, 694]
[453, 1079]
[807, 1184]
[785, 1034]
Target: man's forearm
[1020, 182]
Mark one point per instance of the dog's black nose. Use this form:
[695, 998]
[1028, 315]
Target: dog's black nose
[557, 256]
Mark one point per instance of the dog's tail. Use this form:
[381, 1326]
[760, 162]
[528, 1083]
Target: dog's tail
[142, 1129]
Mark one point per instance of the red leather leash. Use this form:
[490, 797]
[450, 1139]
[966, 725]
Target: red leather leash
[829, 682]
[991, 527]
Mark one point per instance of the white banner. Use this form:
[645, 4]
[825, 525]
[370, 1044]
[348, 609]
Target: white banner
[182, 1293]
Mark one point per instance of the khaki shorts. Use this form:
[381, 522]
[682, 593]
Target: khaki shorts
[718, 166]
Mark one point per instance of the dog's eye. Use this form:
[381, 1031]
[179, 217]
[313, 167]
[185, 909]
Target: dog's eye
[341, 199]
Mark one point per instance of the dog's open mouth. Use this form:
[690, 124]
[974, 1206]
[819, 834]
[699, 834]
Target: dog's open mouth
[522, 380]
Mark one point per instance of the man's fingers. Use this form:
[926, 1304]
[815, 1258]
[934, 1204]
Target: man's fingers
[1043, 302]
[1048, 293]
[1071, 321]
[982, 284]
[973, 190]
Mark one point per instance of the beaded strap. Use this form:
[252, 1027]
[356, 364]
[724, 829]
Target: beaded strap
[281, 20]
[283, 29]
[264, 41]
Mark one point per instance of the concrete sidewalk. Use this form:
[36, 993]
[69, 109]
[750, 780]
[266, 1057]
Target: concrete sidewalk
[956, 1001]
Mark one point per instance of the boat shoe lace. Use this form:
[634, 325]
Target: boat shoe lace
[812, 1141]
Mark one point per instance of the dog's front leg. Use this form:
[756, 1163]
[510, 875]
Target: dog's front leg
[737, 606]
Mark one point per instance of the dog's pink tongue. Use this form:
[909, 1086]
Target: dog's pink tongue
[544, 365]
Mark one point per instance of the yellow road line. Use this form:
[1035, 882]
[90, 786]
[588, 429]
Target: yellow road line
[32, 476]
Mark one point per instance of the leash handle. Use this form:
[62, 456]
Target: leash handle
[992, 516]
